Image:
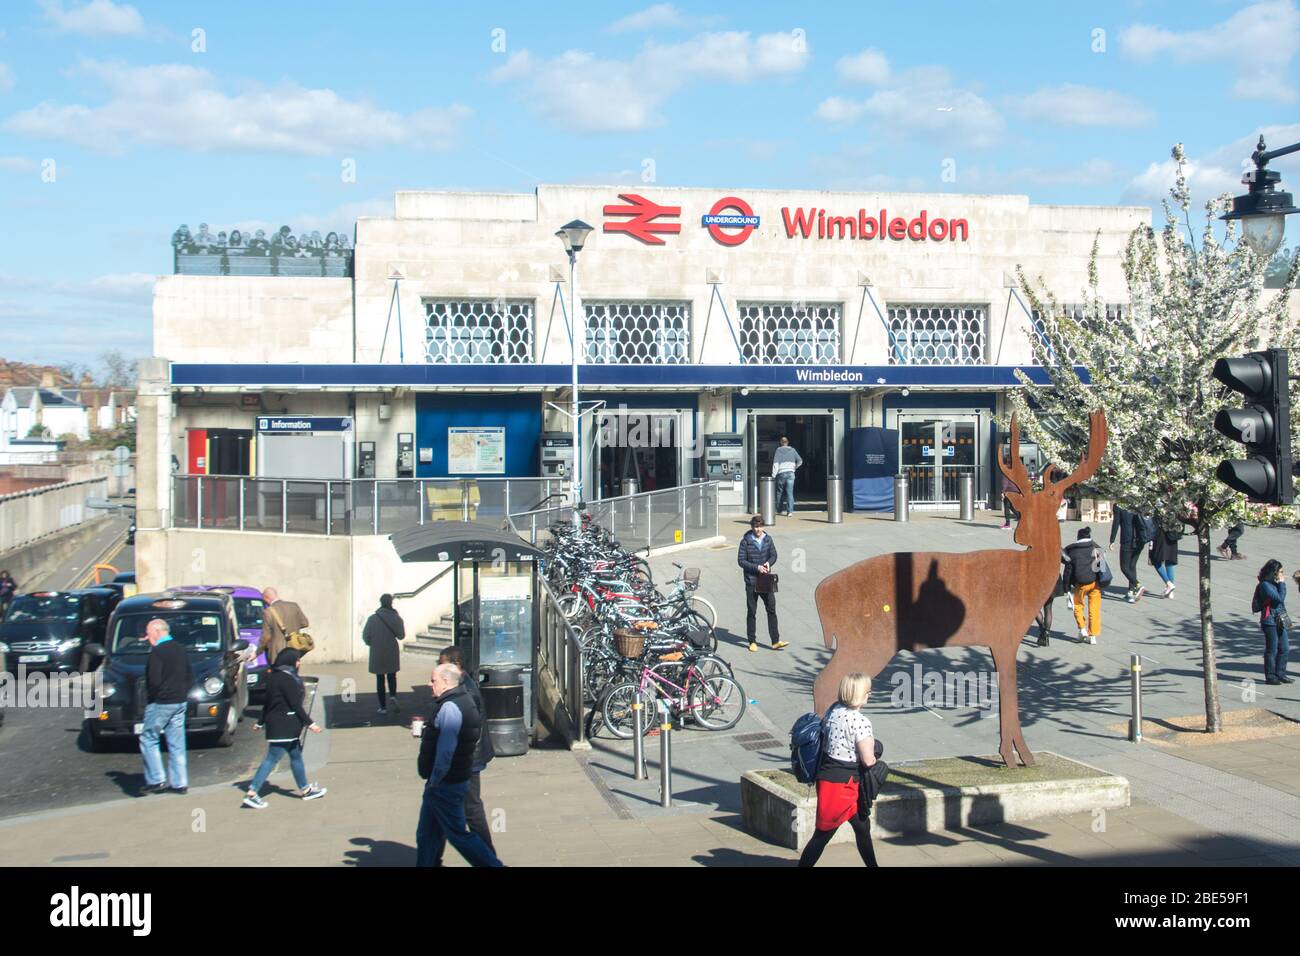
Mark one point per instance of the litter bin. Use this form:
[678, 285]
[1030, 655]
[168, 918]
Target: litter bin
[767, 499]
[834, 499]
[901, 503]
[502, 686]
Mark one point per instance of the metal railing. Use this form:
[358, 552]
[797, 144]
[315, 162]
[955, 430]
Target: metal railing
[358, 506]
[651, 519]
[924, 488]
[560, 653]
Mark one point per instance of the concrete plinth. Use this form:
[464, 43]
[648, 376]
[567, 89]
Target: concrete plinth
[933, 795]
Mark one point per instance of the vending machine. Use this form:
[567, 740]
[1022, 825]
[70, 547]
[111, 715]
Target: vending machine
[724, 462]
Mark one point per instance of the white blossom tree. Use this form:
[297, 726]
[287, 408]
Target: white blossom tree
[1149, 366]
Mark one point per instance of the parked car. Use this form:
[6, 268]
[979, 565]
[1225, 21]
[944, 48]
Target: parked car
[249, 608]
[123, 583]
[54, 630]
[205, 624]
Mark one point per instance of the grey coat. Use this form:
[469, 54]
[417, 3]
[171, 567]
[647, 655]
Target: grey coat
[383, 632]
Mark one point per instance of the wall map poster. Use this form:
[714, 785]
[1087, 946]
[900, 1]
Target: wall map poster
[476, 451]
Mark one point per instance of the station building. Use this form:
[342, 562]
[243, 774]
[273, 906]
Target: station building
[434, 343]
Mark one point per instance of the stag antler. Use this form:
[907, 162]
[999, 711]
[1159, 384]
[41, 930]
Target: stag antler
[1097, 435]
[1016, 471]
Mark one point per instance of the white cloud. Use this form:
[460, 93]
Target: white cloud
[1073, 105]
[581, 91]
[17, 164]
[869, 66]
[1219, 170]
[340, 219]
[661, 16]
[182, 107]
[60, 320]
[1260, 40]
[96, 18]
[922, 101]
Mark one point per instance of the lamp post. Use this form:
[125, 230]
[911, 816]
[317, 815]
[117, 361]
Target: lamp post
[1263, 210]
[573, 236]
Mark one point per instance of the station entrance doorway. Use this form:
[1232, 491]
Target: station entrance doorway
[817, 434]
[647, 445]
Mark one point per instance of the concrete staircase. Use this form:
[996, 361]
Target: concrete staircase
[431, 641]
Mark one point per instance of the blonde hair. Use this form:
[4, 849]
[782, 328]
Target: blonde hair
[855, 688]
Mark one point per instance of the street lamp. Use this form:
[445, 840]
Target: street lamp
[1263, 210]
[573, 236]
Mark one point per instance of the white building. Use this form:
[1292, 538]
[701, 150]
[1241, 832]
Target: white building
[25, 407]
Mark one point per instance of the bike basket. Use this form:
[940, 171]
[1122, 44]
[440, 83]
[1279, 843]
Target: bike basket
[629, 644]
[691, 578]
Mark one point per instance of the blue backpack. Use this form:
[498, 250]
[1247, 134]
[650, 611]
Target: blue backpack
[806, 747]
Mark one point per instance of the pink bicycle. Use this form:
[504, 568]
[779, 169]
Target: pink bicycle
[714, 701]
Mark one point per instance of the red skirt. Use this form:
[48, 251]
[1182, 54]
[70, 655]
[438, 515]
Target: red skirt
[836, 802]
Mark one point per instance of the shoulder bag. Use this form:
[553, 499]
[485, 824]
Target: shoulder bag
[295, 640]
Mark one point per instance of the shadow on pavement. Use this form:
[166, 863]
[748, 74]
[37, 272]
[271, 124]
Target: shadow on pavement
[370, 852]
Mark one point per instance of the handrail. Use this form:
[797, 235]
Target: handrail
[433, 580]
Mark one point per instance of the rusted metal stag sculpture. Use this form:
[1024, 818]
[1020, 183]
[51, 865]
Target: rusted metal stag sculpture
[910, 601]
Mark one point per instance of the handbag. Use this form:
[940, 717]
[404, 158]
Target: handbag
[765, 582]
[299, 641]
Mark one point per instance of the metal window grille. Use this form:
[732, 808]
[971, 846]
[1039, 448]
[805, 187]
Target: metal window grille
[478, 331]
[937, 334]
[790, 333]
[634, 333]
[1077, 313]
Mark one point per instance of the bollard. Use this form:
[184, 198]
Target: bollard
[630, 487]
[665, 758]
[966, 496]
[901, 503]
[638, 745]
[1135, 722]
[834, 499]
[767, 499]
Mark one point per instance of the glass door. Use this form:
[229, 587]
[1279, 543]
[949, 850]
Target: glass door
[934, 452]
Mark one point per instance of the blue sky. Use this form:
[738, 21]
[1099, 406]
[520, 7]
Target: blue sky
[119, 121]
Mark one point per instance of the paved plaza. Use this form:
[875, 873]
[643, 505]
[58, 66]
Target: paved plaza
[1221, 803]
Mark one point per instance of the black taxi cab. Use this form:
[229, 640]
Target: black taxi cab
[205, 624]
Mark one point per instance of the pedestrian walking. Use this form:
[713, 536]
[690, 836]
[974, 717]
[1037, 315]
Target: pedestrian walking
[1270, 603]
[1008, 512]
[168, 679]
[285, 716]
[446, 758]
[383, 634]
[280, 619]
[756, 557]
[785, 462]
[475, 812]
[1229, 547]
[8, 588]
[850, 773]
[1128, 527]
[1164, 556]
[1083, 562]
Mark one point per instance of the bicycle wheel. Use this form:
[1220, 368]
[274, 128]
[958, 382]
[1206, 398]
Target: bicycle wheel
[710, 665]
[697, 622]
[616, 709]
[702, 607]
[571, 606]
[717, 703]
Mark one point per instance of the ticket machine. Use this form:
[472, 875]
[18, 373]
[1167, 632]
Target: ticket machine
[557, 455]
[405, 455]
[724, 462]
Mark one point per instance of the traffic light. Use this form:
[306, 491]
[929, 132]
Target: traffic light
[1263, 425]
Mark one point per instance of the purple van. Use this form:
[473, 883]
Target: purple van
[248, 615]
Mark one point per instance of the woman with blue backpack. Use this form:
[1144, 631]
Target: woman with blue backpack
[1270, 603]
[847, 775]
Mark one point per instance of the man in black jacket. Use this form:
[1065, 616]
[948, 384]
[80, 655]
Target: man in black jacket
[446, 761]
[757, 554]
[1128, 527]
[168, 679]
[475, 813]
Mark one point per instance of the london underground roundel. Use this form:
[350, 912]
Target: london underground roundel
[730, 213]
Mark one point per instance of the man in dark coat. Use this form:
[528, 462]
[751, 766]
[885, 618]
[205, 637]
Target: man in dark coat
[757, 554]
[383, 634]
[1128, 527]
[475, 812]
[168, 679]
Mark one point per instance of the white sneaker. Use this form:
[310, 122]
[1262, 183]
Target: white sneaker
[254, 801]
[315, 791]
[1169, 590]
[1083, 634]
[382, 710]
[1092, 639]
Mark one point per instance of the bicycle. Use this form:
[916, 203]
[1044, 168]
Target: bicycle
[713, 702]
